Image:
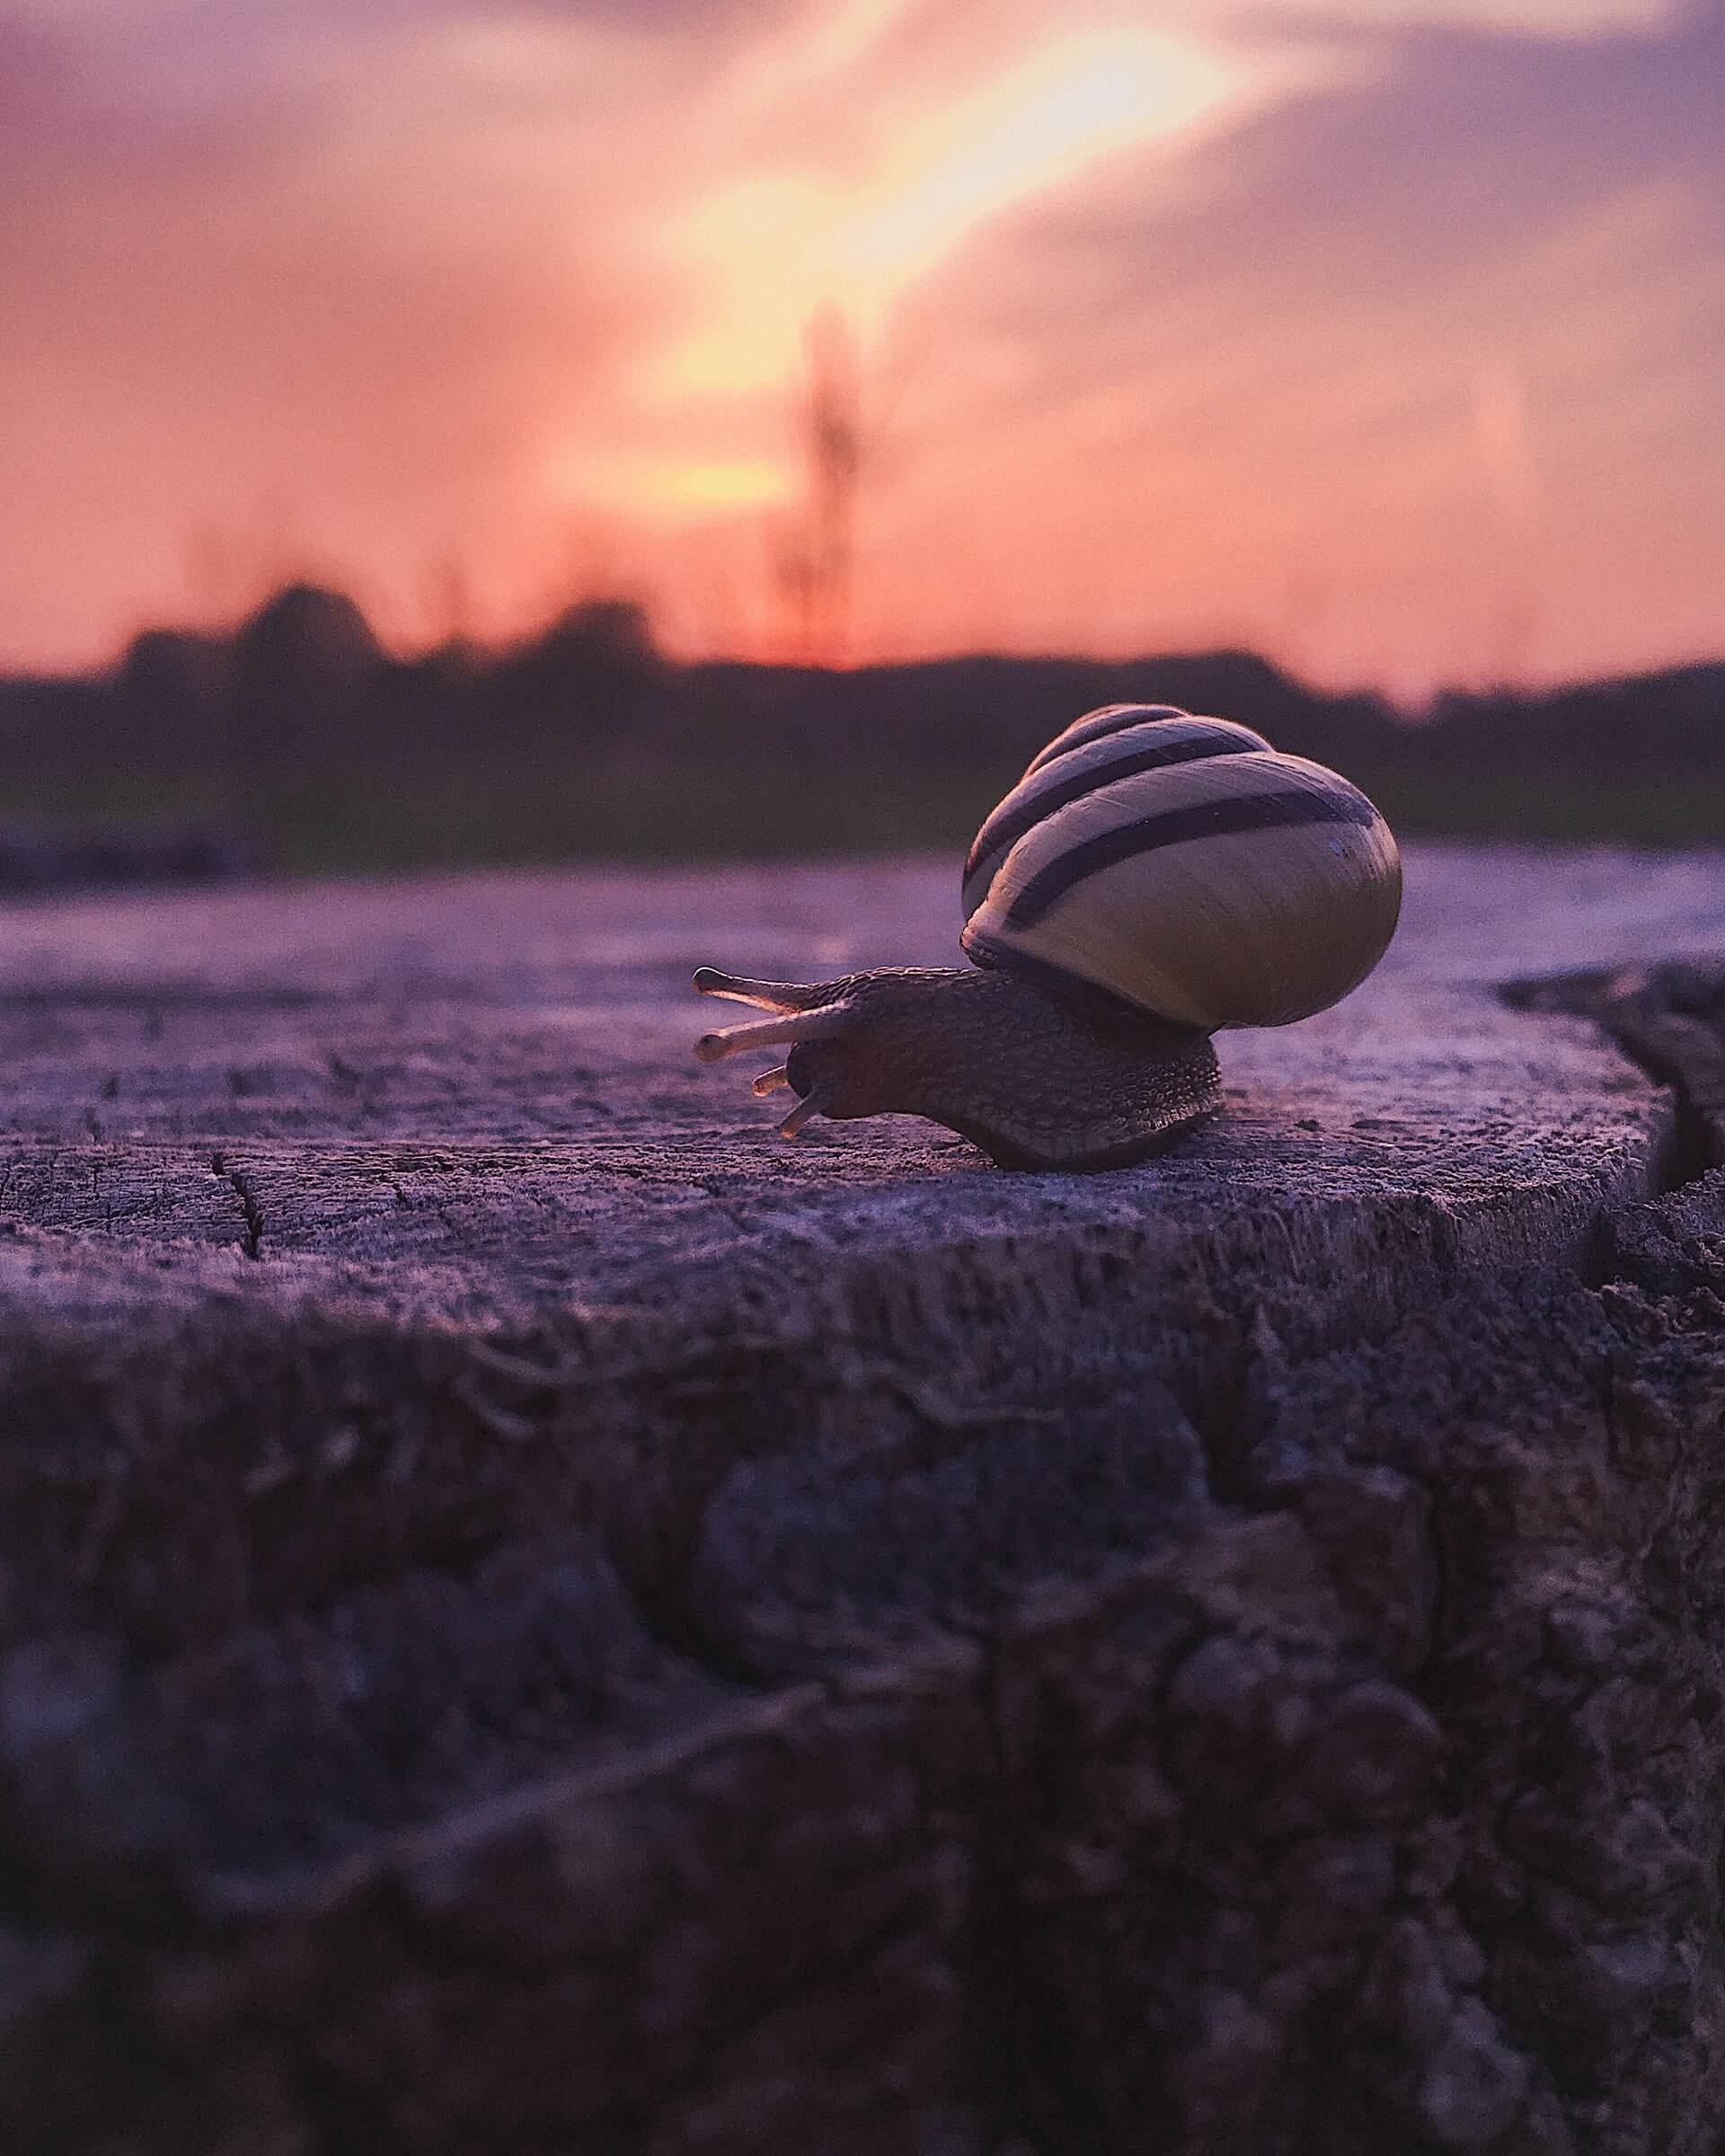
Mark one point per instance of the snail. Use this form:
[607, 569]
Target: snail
[1153, 879]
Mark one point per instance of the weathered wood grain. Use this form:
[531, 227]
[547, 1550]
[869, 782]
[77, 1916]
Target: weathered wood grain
[536, 1617]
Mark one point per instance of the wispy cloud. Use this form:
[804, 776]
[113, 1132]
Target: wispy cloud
[1356, 327]
[1266, 369]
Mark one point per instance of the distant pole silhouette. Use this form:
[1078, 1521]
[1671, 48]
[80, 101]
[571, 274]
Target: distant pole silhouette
[814, 559]
[448, 600]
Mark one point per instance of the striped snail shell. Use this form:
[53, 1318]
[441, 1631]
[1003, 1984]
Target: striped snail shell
[1153, 878]
[1184, 867]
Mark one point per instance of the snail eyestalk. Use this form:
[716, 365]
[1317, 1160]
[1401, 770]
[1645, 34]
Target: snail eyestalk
[783, 997]
[768, 1032]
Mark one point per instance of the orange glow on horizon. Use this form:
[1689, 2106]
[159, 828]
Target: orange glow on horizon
[662, 489]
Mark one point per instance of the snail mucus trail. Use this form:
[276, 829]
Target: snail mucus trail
[1153, 879]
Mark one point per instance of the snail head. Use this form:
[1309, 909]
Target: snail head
[853, 1044]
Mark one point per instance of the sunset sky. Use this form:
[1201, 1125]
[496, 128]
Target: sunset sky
[1384, 336]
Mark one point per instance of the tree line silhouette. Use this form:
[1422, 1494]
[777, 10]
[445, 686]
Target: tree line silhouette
[302, 693]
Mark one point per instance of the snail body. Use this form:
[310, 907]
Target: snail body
[1153, 879]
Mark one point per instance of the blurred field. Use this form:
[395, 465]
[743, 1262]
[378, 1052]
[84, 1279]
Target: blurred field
[1557, 808]
[299, 739]
[504, 816]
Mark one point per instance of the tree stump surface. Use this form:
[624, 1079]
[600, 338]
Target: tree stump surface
[536, 1617]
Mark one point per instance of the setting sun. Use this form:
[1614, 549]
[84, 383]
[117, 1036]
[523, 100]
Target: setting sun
[657, 487]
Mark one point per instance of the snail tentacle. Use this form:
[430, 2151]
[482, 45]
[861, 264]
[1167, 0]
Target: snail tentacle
[770, 1082]
[768, 1032]
[783, 997]
[809, 1105]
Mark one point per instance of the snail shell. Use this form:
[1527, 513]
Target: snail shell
[1184, 869]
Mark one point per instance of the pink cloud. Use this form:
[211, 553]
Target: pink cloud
[1252, 400]
[1408, 370]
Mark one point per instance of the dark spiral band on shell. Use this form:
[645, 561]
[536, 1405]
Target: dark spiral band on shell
[1097, 726]
[1027, 805]
[1176, 826]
